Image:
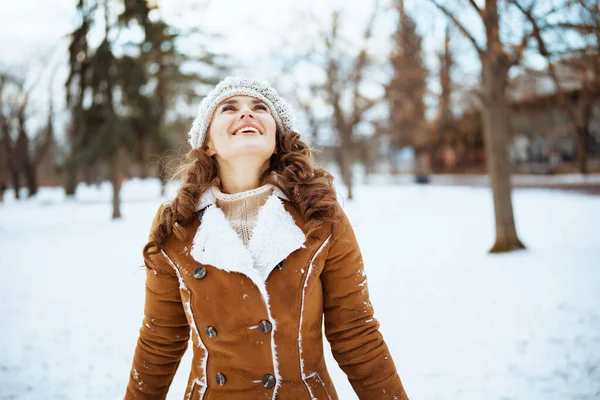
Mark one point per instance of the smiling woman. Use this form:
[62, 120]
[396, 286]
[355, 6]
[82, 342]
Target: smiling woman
[241, 137]
[250, 257]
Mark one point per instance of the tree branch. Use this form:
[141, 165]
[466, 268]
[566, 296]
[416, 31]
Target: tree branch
[460, 26]
[520, 49]
[543, 49]
[361, 64]
[476, 7]
[361, 109]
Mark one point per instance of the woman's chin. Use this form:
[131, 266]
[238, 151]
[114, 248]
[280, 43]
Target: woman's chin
[252, 151]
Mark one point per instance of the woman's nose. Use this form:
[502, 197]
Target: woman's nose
[247, 114]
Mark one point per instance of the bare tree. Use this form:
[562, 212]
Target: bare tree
[583, 62]
[6, 127]
[307, 109]
[445, 114]
[339, 83]
[496, 61]
[22, 155]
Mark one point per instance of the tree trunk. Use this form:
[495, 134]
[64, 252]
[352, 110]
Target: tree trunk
[143, 143]
[393, 161]
[31, 178]
[495, 130]
[115, 179]
[345, 162]
[162, 175]
[70, 178]
[367, 161]
[16, 182]
[583, 139]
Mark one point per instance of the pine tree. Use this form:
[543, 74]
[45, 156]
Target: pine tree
[120, 101]
[75, 88]
[159, 65]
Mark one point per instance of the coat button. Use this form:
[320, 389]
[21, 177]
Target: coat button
[265, 326]
[269, 381]
[220, 378]
[279, 266]
[200, 273]
[210, 332]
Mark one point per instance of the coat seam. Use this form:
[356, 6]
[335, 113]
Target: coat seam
[303, 292]
[323, 384]
[188, 310]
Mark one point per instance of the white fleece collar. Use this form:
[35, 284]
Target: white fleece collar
[274, 237]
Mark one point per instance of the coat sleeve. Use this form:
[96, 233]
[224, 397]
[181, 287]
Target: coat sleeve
[164, 334]
[350, 327]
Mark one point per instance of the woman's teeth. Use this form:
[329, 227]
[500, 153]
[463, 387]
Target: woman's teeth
[245, 130]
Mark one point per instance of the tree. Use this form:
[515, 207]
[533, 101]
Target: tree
[496, 61]
[76, 85]
[158, 64]
[582, 61]
[445, 116]
[406, 90]
[340, 84]
[120, 100]
[23, 156]
[6, 127]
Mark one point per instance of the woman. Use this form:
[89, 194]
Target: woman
[249, 257]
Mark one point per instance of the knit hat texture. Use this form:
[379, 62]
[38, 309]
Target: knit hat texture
[235, 86]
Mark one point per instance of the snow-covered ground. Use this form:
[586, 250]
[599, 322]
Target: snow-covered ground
[460, 323]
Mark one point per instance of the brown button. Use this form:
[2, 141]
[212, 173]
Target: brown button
[200, 273]
[269, 381]
[210, 332]
[265, 326]
[220, 378]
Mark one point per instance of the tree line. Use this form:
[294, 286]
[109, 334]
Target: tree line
[124, 98]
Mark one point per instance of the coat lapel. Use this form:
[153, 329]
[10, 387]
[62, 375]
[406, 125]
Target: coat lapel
[274, 237]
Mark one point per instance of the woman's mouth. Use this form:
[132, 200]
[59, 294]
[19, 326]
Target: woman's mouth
[247, 131]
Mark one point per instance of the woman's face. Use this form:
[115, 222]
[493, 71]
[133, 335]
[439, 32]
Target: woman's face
[242, 127]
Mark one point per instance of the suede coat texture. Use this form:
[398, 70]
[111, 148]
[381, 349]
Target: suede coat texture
[255, 313]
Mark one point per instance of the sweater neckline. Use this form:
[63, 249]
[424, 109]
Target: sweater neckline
[229, 197]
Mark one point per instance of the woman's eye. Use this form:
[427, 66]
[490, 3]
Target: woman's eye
[262, 107]
[227, 108]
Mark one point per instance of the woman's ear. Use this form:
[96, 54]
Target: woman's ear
[211, 152]
[210, 148]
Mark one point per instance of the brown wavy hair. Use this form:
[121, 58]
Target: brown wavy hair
[292, 170]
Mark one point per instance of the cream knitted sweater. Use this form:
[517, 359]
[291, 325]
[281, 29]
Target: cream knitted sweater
[241, 209]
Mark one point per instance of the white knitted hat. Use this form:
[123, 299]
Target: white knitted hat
[236, 86]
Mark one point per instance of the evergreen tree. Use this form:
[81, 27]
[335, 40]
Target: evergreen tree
[158, 65]
[122, 102]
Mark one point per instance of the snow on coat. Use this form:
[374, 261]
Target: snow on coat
[255, 313]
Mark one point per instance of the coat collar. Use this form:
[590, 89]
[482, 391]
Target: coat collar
[275, 236]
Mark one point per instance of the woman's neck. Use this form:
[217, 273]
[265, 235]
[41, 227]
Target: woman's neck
[240, 177]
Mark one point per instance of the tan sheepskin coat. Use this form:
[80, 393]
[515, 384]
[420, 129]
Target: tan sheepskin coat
[255, 312]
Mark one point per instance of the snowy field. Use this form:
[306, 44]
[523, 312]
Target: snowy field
[460, 323]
